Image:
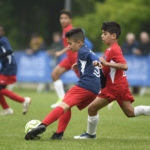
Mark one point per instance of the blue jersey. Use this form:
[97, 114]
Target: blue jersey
[8, 63]
[89, 75]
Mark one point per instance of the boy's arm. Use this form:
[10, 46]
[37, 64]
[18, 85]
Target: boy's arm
[57, 54]
[5, 54]
[120, 66]
[95, 60]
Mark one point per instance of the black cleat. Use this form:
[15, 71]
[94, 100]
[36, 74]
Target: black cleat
[31, 135]
[57, 136]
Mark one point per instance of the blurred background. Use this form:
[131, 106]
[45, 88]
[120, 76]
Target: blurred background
[34, 32]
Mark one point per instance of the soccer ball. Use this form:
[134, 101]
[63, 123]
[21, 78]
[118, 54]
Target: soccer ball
[31, 125]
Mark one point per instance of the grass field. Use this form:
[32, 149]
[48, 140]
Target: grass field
[115, 131]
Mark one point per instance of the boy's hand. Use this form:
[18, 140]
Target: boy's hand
[103, 61]
[57, 54]
[97, 63]
[74, 66]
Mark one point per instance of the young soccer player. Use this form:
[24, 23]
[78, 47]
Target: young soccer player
[82, 94]
[8, 76]
[65, 64]
[117, 87]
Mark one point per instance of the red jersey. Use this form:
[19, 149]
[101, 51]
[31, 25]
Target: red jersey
[72, 56]
[114, 54]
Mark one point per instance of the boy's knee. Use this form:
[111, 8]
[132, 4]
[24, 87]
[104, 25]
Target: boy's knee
[129, 113]
[92, 110]
[54, 76]
[65, 106]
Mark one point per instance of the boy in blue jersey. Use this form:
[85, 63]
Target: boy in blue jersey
[82, 94]
[8, 72]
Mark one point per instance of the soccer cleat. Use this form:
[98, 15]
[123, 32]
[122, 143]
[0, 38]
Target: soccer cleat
[57, 103]
[57, 136]
[110, 105]
[7, 111]
[33, 134]
[26, 105]
[85, 136]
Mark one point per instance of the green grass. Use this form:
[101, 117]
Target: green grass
[115, 131]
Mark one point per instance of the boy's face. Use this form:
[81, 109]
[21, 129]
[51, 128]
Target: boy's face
[74, 45]
[65, 20]
[1, 31]
[107, 37]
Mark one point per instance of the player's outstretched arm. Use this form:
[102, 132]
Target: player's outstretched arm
[57, 54]
[114, 65]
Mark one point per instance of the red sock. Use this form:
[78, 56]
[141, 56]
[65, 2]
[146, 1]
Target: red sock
[53, 115]
[3, 102]
[12, 95]
[63, 121]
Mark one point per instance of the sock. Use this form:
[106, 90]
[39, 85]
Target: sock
[53, 115]
[142, 110]
[63, 121]
[3, 102]
[59, 88]
[12, 95]
[92, 124]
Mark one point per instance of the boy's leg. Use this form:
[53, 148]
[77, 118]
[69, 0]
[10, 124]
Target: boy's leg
[63, 121]
[49, 119]
[62, 124]
[93, 117]
[12, 95]
[93, 108]
[131, 111]
[55, 114]
[58, 84]
[3, 102]
[6, 109]
[26, 101]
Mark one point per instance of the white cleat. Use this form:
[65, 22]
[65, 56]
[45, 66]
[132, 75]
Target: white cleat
[57, 103]
[85, 136]
[110, 105]
[7, 111]
[26, 104]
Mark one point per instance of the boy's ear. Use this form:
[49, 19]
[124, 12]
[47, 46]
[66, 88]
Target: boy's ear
[114, 36]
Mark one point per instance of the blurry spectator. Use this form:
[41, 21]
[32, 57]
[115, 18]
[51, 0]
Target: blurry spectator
[130, 45]
[144, 48]
[56, 45]
[144, 45]
[36, 44]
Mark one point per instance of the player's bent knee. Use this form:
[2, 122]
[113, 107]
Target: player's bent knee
[129, 114]
[65, 106]
[55, 76]
[92, 111]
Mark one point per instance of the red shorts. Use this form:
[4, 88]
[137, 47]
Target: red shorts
[118, 92]
[79, 97]
[65, 63]
[5, 80]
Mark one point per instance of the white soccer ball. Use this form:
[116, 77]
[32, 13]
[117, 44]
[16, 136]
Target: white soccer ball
[31, 125]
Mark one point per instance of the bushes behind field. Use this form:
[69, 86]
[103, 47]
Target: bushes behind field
[133, 15]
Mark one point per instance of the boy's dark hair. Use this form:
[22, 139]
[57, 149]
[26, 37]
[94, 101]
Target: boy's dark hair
[112, 27]
[75, 34]
[66, 12]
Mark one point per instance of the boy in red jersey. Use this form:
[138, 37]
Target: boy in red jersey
[117, 87]
[65, 64]
[8, 76]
